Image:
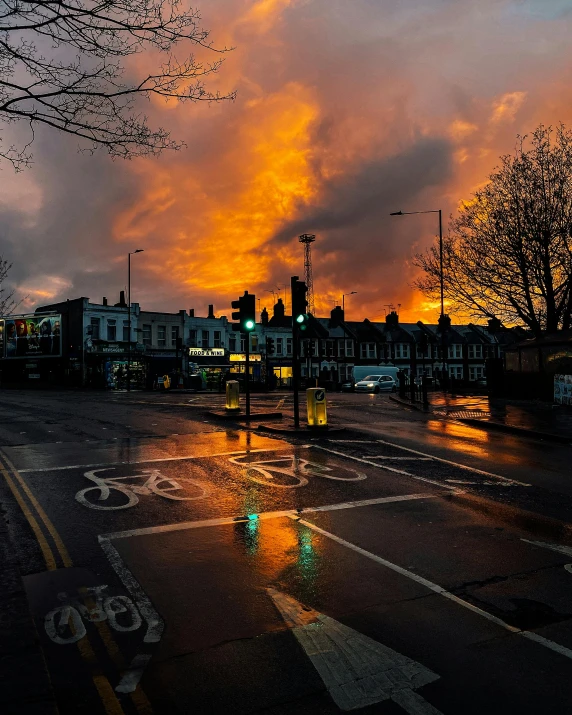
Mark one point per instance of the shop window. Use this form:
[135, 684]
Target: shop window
[204, 338]
[174, 334]
[288, 346]
[126, 336]
[192, 338]
[279, 346]
[476, 351]
[217, 342]
[162, 336]
[111, 329]
[95, 322]
[147, 339]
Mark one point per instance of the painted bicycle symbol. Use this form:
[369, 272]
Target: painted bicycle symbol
[129, 489]
[292, 468]
[65, 624]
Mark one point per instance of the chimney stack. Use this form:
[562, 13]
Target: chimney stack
[264, 317]
[104, 300]
[279, 310]
[392, 320]
[191, 312]
[211, 312]
[337, 316]
[122, 303]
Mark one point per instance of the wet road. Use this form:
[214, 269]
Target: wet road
[173, 565]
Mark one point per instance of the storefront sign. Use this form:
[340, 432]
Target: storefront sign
[33, 336]
[241, 357]
[206, 352]
[112, 349]
[34, 375]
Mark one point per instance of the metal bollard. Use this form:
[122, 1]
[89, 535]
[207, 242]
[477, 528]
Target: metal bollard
[232, 396]
[316, 407]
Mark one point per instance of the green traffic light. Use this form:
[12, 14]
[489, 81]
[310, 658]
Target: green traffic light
[300, 318]
[249, 324]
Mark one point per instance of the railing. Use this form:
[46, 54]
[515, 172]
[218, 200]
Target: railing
[413, 388]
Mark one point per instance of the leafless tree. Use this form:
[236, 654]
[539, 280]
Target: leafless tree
[7, 303]
[61, 65]
[508, 253]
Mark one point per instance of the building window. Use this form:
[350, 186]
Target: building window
[126, 336]
[204, 338]
[111, 329]
[242, 344]
[456, 372]
[162, 336]
[401, 350]
[456, 351]
[174, 334]
[419, 352]
[349, 348]
[288, 346]
[254, 342]
[95, 328]
[192, 338]
[367, 350]
[217, 339]
[231, 343]
[279, 346]
[147, 338]
[476, 372]
[476, 351]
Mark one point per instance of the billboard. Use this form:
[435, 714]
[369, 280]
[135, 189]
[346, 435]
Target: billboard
[32, 336]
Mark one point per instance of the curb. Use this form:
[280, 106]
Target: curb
[511, 429]
[241, 416]
[300, 431]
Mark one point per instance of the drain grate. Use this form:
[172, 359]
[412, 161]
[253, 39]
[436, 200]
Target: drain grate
[463, 414]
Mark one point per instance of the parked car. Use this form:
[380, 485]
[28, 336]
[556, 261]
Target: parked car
[348, 386]
[376, 383]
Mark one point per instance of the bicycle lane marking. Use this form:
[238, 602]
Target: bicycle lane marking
[103, 687]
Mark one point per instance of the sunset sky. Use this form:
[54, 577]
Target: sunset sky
[346, 110]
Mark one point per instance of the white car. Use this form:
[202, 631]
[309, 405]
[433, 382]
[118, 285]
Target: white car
[376, 383]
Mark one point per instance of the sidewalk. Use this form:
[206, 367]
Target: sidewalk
[528, 417]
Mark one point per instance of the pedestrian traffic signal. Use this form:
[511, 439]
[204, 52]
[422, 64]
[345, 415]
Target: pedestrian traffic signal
[299, 303]
[245, 313]
[270, 346]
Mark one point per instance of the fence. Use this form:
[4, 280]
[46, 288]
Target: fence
[414, 388]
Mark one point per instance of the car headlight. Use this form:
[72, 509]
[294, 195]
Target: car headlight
[370, 384]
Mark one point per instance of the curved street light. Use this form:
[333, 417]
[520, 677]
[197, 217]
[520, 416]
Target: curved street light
[131, 253]
[354, 292]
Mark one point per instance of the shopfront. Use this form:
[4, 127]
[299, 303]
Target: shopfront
[238, 367]
[210, 366]
[106, 367]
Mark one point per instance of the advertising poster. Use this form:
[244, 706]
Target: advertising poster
[35, 336]
[563, 389]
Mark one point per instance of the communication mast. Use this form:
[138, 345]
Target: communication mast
[307, 239]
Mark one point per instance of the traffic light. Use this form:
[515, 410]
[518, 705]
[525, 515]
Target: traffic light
[246, 313]
[270, 346]
[299, 303]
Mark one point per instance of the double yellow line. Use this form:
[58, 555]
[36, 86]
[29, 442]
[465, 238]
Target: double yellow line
[54, 552]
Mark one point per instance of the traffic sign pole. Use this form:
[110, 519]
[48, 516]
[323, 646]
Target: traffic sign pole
[247, 377]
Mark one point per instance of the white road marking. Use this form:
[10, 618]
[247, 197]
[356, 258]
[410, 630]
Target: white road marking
[357, 670]
[383, 466]
[132, 676]
[352, 441]
[551, 645]
[400, 459]
[455, 464]
[553, 547]
[182, 526]
[145, 461]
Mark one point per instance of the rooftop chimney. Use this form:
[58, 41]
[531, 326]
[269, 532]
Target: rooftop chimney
[211, 312]
[392, 320]
[494, 325]
[336, 316]
[279, 310]
[191, 312]
[104, 300]
[264, 317]
[122, 303]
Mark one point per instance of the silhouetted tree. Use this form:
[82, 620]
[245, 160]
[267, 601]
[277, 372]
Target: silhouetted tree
[509, 251]
[61, 65]
[7, 302]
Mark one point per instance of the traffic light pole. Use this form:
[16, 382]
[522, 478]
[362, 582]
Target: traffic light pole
[295, 356]
[247, 376]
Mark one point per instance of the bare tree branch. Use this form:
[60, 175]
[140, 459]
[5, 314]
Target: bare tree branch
[509, 252]
[60, 65]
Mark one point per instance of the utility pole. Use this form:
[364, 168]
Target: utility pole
[139, 250]
[299, 324]
[307, 239]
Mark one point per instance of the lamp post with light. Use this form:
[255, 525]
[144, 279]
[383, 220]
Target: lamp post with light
[442, 318]
[131, 253]
[354, 292]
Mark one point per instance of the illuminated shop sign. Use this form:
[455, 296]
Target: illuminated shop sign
[206, 352]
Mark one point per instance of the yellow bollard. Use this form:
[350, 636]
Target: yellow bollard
[232, 396]
[316, 407]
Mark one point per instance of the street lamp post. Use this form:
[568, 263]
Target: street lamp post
[441, 279]
[354, 292]
[139, 250]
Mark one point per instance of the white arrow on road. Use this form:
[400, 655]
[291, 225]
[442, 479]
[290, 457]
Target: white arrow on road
[356, 670]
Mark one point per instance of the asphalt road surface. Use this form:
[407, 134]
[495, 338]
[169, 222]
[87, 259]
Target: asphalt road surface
[175, 564]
